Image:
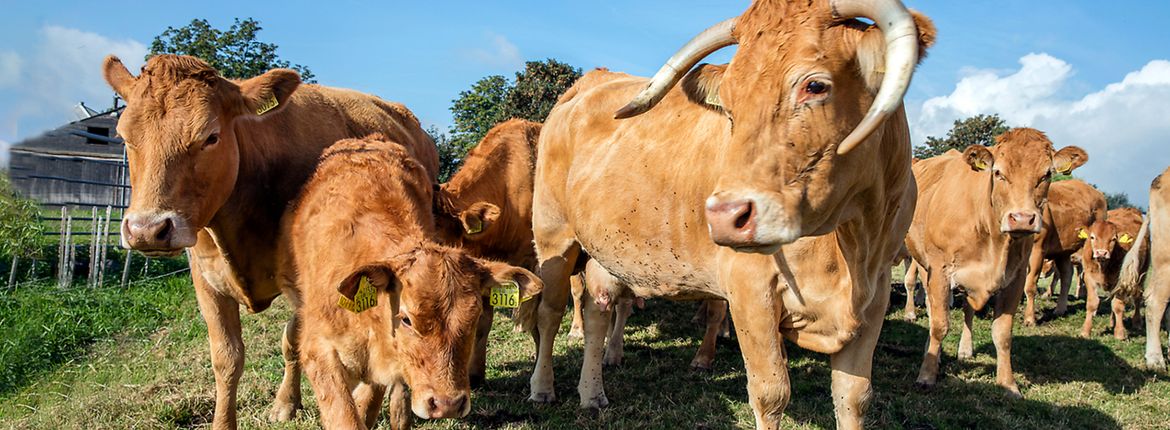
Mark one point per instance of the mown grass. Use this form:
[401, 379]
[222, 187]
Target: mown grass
[164, 380]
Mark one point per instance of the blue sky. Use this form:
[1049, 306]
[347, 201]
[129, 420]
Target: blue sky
[1090, 73]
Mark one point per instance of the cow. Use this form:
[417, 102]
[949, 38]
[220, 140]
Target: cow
[978, 213]
[486, 209]
[213, 164]
[792, 214]
[1106, 244]
[1072, 206]
[910, 282]
[1151, 252]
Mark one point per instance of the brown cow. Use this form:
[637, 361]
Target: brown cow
[213, 165]
[909, 281]
[486, 209]
[365, 221]
[1072, 206]
[1151, 251]
[793, 215]
[973, 230]
[1106, 244]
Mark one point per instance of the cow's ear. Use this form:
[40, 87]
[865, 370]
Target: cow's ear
[1069, 158]
[268, 93]
[1082, 234]
[1125, 239]
[379, 275]
[871, 49]
[479, 218]
[503, 273]
[118, 76]
[702, 84]
[978, 157]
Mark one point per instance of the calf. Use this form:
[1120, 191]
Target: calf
[1072, 206]
[973, 229]
[1151, 251]
[382, 305]
[1106, 244]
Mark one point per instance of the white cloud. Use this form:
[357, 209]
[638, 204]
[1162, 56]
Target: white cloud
[10, 63]
[501, 53]
[1123, 126]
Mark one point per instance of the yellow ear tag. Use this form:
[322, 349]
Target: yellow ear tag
[506, 295]
[269, 104]
[1125, 239]
[1082, 234]
[713, 98]
[1066, 169]
[366, 297]
[474, 226]
[981, 165]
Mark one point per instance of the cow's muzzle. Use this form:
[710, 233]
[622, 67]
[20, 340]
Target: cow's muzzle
[1101, 255]
[749, 223]
[1020, 223]
[163, 234]
[445, 406]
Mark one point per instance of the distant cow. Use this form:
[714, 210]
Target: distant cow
[1106, 244]
[978, 212]
[382, 306]
[1151, 251]
[780, 182]
[1072, 206]
[486, 209]
[909, 281]
[213, 165]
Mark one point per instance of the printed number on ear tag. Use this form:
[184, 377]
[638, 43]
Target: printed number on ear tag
[366, 297]
[269, 104]
[505, 295]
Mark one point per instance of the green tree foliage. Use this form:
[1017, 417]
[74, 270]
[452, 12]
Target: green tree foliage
[976, 130]
[1118, 200]
[235, 52]
[20, 224]
[495, 99]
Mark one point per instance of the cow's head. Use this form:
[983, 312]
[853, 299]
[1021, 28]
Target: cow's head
[180, 143]
[437, 297]
[1020, 167]
[1102, 238]
[809, 84]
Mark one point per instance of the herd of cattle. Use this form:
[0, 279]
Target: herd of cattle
[779, 187]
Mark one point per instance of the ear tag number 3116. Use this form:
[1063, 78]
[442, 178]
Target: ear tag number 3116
[505, 295]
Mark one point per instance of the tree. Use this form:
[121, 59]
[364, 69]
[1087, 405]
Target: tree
[450, 154]
[494, 99]
[234, 52]
[1118, 200]
[976, 130]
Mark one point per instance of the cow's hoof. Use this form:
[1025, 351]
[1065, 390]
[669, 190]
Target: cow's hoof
[612, 361]
[701, 366]
[1121, 336]
[283, 411]
[1059, 311]
[1085, 334]
[1014, 393]
[910, 317]
[1157, 363]
[542, 397]
[966, 354]
[576, 333]
[595, 403]
[1029, 322]
[924, 383]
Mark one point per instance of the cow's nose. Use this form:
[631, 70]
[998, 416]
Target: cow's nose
[732, 223]
[447, 407]
[148, 232]
[1022, 222]
[1100, 254]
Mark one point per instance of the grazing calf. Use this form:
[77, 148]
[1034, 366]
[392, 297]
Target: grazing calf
[978, 211]
[486, 209]
[1106, 244]
[382, 306]
[213, 165]
[1072, 206]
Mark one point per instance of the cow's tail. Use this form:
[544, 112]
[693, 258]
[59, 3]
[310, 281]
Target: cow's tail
[1133, 268]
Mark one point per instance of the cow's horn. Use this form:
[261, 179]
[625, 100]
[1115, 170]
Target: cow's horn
[901, 55]
[710, 40]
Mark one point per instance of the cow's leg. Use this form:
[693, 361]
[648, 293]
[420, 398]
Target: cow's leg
[1157, 295]
[478, 371]
[910, 281]
[558, 257]
[716, 314]
[853, 365]
[288, 397]
[937, 310]
[398, 408]
[1001, 334]
[577, 288]
[1035, 263]
[1092, 302]
[367, 398]
[616, 342]
[596, 321]
[1118, 307]
[335, 400]
[1064, 269]
[966, 343]
[756, 309]
[222, 315]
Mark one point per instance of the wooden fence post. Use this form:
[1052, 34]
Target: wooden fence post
[105, 246]
[93, 238]
[12, 274]
[126, 268]
[70, 251]
[61, 257]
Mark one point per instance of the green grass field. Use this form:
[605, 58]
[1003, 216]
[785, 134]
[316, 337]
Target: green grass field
[152, 371]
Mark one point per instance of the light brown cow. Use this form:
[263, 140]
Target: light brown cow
[213, 165]
[1072, 206]
[363, 229]
[1151, 251]
[486, 209]
[793, 215]
[978, 211]
[910, 282]
[1106, 244]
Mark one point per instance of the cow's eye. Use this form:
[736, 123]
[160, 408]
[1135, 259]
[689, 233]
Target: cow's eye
[999, 176]
[405, 320]
[816, 87]
[211, 140]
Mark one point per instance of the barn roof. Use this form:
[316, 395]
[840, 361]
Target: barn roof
[90, 137]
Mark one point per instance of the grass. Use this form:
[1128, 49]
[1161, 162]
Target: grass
[163, 380]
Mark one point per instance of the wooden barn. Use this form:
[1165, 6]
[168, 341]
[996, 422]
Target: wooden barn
[79, 164]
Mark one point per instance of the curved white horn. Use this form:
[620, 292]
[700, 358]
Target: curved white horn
[710, 40]
[901, 37]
